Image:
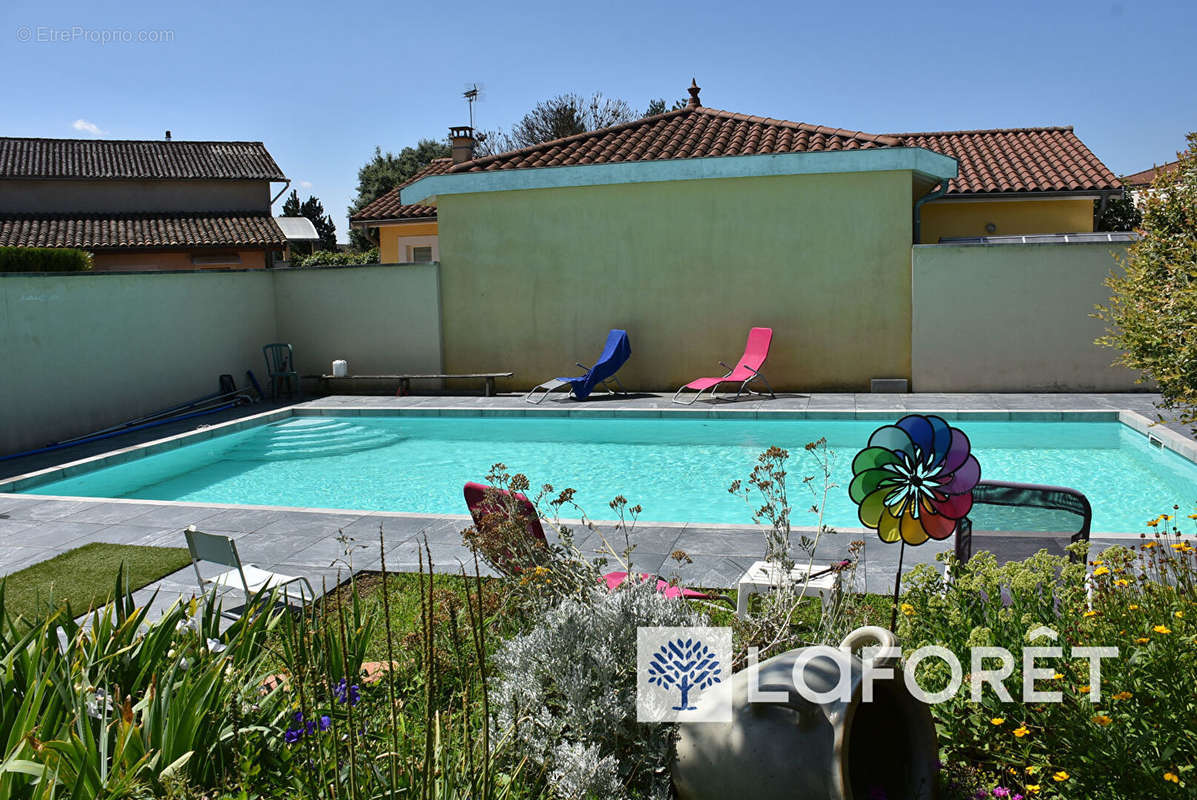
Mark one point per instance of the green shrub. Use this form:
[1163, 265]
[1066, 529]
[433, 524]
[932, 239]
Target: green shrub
[44, 259]
[1139, 740]
[1152, 314]
[336, 258]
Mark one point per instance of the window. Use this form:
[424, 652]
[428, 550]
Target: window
[419, 254]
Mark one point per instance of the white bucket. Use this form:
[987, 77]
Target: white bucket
[340, 368]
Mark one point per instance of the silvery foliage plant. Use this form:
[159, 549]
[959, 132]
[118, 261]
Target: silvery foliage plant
[567, 694]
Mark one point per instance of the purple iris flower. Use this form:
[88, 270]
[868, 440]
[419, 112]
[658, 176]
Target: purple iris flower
[347, 693]
[325, 722]
[292, 735]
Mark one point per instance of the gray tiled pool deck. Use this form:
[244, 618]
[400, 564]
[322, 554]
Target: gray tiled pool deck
[304, 542]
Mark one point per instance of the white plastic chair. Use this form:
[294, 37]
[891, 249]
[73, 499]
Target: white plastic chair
[246, 577]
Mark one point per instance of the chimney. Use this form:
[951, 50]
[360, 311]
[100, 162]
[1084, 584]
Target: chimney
[168, 136]
[461, 137]
[693, 90]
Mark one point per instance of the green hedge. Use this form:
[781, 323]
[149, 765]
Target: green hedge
[44, 259]
[330, 258]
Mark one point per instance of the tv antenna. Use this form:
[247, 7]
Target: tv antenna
[473, 92]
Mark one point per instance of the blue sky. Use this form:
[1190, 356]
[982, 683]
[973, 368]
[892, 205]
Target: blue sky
[322, 84]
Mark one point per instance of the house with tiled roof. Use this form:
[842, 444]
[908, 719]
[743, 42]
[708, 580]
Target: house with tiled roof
[142, 205]
[684, 226]
[1144, 179]
[403, 232]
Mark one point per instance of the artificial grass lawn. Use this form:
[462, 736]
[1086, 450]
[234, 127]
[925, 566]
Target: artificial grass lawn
[86, 577]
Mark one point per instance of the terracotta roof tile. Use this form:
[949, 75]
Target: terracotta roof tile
[686, 133]
[388, 206]
[1017, 160]
[1147, 176]
[991, 161]
[127, 159]
[141, 231]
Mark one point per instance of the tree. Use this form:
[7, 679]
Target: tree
[684, 664]
[384, 172]
[658, 106]
[564, 115]
[1153, 311]
[313, 209]
[1121, 213]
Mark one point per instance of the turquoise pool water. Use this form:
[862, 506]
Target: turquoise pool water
[677, 469]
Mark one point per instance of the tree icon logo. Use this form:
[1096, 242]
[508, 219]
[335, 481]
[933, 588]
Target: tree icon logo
[686, 665]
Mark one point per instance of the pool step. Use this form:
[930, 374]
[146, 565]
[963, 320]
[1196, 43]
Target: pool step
[309, 438]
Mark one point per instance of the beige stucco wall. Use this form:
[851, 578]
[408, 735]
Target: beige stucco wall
[532, 280]
[115, 196]
[82, 352]
[381, 319]
[1012, 318]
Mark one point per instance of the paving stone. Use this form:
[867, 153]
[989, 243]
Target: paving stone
[14, 558]
[51, 533]
[108, 513]
[240, 520]
[51, 509]
[175, 516]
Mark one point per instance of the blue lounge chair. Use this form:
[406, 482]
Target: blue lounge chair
[615, 353]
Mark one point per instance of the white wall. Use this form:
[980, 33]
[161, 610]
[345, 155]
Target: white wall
[1013, 318]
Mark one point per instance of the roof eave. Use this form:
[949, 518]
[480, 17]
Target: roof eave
[918, 160]
[1075, 194]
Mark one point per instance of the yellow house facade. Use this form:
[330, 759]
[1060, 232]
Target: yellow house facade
[405, 232]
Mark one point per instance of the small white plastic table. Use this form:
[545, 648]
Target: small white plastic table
[763, 576]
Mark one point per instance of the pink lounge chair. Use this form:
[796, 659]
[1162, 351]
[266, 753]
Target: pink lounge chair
[746, 370]
[475, 497]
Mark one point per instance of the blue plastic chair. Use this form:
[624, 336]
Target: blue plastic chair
[616, 351]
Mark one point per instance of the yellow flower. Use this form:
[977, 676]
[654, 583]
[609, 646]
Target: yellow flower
[1090, 613]
[1149, 545]
[1178, 546]
[1192, 516]
[998, 720]
[1165, 516]
[1123, 696]
[1060, 776]
[1122, 582]
[1032, 769]
[1101, 571]
[1032, 788]
[1102, 720]
[1020, 731]
[1084, 689]
[908, 609]
[1058, 676]
[1162, 629]
[1133, 606]
[1142, 640]
[1172, 776]
[1153, 523]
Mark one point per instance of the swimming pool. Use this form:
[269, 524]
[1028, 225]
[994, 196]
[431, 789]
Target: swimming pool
[677, 469]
